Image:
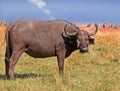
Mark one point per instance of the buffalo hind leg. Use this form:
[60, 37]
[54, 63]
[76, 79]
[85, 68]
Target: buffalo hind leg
[7, 68]
[7, 57]
[13, 60]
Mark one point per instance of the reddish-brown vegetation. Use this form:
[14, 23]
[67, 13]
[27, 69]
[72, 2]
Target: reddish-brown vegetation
[2, 39]
[101, 28]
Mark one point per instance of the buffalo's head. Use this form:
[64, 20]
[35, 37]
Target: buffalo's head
[81, 37]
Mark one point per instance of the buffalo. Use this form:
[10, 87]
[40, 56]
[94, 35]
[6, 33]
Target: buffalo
[41, 39]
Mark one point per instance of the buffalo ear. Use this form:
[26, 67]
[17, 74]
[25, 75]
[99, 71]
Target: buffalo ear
[91, 40]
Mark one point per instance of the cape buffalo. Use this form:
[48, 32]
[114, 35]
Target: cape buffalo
[41, 39]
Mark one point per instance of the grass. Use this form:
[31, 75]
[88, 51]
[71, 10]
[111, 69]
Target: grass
[98, 70]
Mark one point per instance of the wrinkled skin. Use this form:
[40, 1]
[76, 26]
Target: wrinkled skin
[44, 39]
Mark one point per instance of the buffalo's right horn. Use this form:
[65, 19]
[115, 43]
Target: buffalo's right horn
[67, 33]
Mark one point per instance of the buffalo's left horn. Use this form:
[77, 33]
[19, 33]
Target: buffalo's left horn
[67, 33]
[93, 33]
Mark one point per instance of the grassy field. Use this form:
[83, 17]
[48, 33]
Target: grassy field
[98, 70]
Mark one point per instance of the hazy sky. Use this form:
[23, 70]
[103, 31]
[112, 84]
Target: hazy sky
[80, 11]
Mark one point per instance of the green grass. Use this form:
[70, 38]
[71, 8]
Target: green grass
[98, 70]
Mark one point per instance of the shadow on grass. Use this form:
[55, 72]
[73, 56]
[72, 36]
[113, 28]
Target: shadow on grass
[2, 76]
[26, 75]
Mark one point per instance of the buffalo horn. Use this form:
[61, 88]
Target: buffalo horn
[94, 32]
[67, 33]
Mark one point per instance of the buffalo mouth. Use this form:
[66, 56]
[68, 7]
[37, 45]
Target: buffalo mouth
[83, 51]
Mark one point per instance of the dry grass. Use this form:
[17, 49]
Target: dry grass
[98, 70]
[2, 39]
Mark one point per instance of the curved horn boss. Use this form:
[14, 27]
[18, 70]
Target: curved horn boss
[70, 30]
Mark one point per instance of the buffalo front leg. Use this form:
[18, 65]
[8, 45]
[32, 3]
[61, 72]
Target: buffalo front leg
[61, 66]
[60, 58]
